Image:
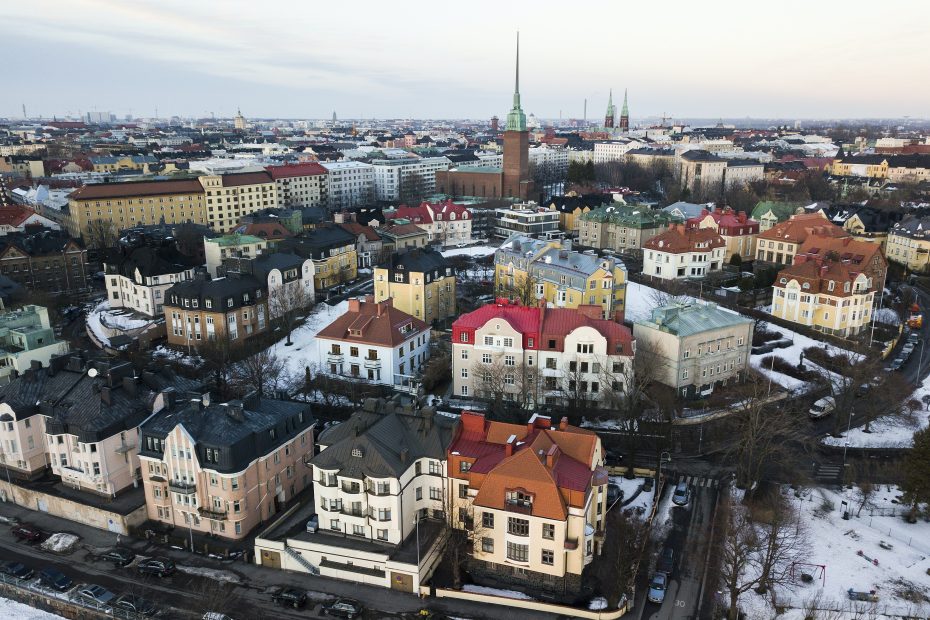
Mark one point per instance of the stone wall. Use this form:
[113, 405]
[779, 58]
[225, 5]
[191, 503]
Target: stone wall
[94, 516]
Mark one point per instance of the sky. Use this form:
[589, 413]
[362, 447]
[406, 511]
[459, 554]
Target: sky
[429, 59]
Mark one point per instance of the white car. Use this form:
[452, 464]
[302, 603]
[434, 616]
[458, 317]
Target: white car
[822, 407]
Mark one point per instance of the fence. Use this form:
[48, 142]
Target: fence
[32, 593]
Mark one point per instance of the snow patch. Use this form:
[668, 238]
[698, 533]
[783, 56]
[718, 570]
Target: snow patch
[210, 573]
[497, 592]
[60, 542]
[13, 610]
[597, 604]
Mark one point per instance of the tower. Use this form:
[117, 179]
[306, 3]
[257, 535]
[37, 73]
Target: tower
[624, 115]
[494, 123]
[516, 180]
[609, 118]
[239, 121]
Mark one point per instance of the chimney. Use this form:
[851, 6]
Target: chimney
[823, 270]
[35, 365]
[234, 411]
[404, 455]
[563, 423]
[741, 216]
[355, 304]
[800, 259]
[129, 385]
[551, 455]
[508, 448]
[205, 399]
[105, 395]
[704, 212]
[567, 245]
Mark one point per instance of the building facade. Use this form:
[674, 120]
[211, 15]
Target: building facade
[421, 282]
[228, 197]
[528, 219]
[138, 278]
[737, 229]
[621, 228]
[26, 336]
[349, 184]
[779, 244]
[682, 252]
[909, 244]
[300, 185]
[218, 249]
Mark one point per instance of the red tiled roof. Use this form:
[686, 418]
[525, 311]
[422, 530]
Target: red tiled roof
[417, 215]
[443, 210]
[360, 229]
[818, 273]
[99, 191]
[236, 179]
[295, 170]
[15, 215]
[678, 239]
[728, 221]
[373, 323]
[799, 227]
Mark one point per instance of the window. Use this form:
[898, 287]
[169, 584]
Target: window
[463, 337]
[463, 491]
[518, 553]
[487, 545]
[465, 373]
[487, 520]
[435, 493]
[518, 527]
[585, 348]
[464, 466]
[489, 341]
[419, 494]
[550, 363]
[508, 342]
[548, 531]
[548, 557]
[485, 358]
[509, 360]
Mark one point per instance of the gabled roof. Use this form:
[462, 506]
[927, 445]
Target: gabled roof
[15, 215]
[799, 227]
[818, 274]
[295, 170]
[360, 229]
[379, 324]
[150, 261]
[678, 240]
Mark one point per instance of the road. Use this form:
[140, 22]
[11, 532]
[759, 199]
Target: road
[689, 538]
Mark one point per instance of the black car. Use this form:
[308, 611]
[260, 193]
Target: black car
[54, 578]
[16, 569]
[290, 596]
[120, 556]
[27, 533]
[137, 604]
[666, 561]
[343, 608]
[158, 566]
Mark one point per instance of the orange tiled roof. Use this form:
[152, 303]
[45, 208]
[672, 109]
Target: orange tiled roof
[799, 227]
[679, 239]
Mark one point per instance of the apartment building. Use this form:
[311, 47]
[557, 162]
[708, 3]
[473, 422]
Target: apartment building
[26, 337]
[741, 171]
[621, 228]
[525, 219]
[138, 278]
[694, 348]
[401, 236]
[779, 244]
[15, 218]
[117, 163]
[406, 179]
[533, 498]
[288, 278]
[223, 468]
[614, 150]
[369, 246]
[535, 355]
[533, 269]
[45, 260]
[859, 255]
[228, 197]
[548, 161]
[332, 250]
[682, 252]
[349, 184]
[909, 244]
[831, 296]
[376, 342]
[702, 172]
[129, 204]
[380, 493]
[230, 308]
[572, 206]
[300, 185]
[79, 418]
[421, 282]
[737, 229]
[218, 249]
[445, 223]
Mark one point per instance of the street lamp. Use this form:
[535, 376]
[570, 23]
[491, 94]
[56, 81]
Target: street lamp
[846, 444]
[417, 523]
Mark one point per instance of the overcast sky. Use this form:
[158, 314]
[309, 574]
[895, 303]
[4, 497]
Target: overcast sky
[434, 59]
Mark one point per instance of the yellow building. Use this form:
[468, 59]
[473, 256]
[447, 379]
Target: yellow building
[421, 281]
[114, 163]
[231, 196]
[132, 203]
[909, 244]
[572, 206]
[532, 269]
[830, 296]
[333, 252]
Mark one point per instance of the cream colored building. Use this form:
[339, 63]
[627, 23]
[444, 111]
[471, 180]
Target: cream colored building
[702, 172]
[228, 197]
[422, 283]
[218, 249]
[909, 244]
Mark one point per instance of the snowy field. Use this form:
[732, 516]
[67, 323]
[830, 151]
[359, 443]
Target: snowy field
[476, 251]
[897, 575]
[643, 501]
[13, 610]
[106, 322]
[304, 352]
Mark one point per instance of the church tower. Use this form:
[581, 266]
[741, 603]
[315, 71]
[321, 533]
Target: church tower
[239, 121]
[624, 115]
[609, 118]
[516, 178]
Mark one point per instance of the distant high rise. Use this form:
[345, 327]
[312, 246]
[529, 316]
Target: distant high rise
[494, 123]
[624, 114]
[239, 121]
[609, 117]
[334, 116]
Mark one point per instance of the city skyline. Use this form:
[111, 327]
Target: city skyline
[193, 61]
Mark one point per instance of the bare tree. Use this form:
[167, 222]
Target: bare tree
[783, 542]
[864, 495]
[218, 355]
[100, 234]
[740, 545]
[284, 304]
[263, 372]
[522, 288]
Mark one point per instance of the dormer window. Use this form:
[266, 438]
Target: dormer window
[208, 303]
[229, 302]
[357, 452]
[519, 498]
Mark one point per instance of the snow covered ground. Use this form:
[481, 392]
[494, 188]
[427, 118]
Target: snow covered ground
[496, 592]
[60, 542]
[476, 251]
[106, 322]
[304, 352]
[13, 610]
[643, 501]
[210, 573]
[897, 575]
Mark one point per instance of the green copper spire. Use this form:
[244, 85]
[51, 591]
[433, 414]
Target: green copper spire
[610, 104]
[624, 111]
[516, 119]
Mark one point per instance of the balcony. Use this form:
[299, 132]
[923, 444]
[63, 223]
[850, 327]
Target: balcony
[571, 544]
[335, 358]
[125, 447]
[372, 489]
[179, 486]
[215, 515]
[352, 512]
[372, 364]
[524, 508]
[352, 489]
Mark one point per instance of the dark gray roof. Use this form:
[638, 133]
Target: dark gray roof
[241, 429]
[316, 243]
[234, 286]
[421, 260]
[382, 440]
[150, 261]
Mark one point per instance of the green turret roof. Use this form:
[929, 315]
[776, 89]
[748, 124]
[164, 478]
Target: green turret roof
[624, 111]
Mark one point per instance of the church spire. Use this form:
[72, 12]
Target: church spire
[516, 119]
[609, 117]
[624, 114]
[624, 111]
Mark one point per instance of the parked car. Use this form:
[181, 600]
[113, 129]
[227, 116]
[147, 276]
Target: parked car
[666, 561]
[822, 407]
[92, 593]
[121, 556]
[16, 569]
[913, 338]
[27, 533]
[782, 343]
[138, 605]
[762, 349]
[682, 494]
[907, 350]
[292, 597]
[55, 579]
[158, 566]
[896, 364]
[313, 524]
[657, 588]
[614, 493]
[343, 608]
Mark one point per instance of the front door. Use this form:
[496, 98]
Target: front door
[401, 581]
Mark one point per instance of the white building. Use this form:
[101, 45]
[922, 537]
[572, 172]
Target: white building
[300, 185]
[138, 279]
[682, 252]
[613, 150]
[554, 160]
[350, 183]
[282, 274]
[376, 342]
[403, 179]
[218, 249]
[742, 172]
